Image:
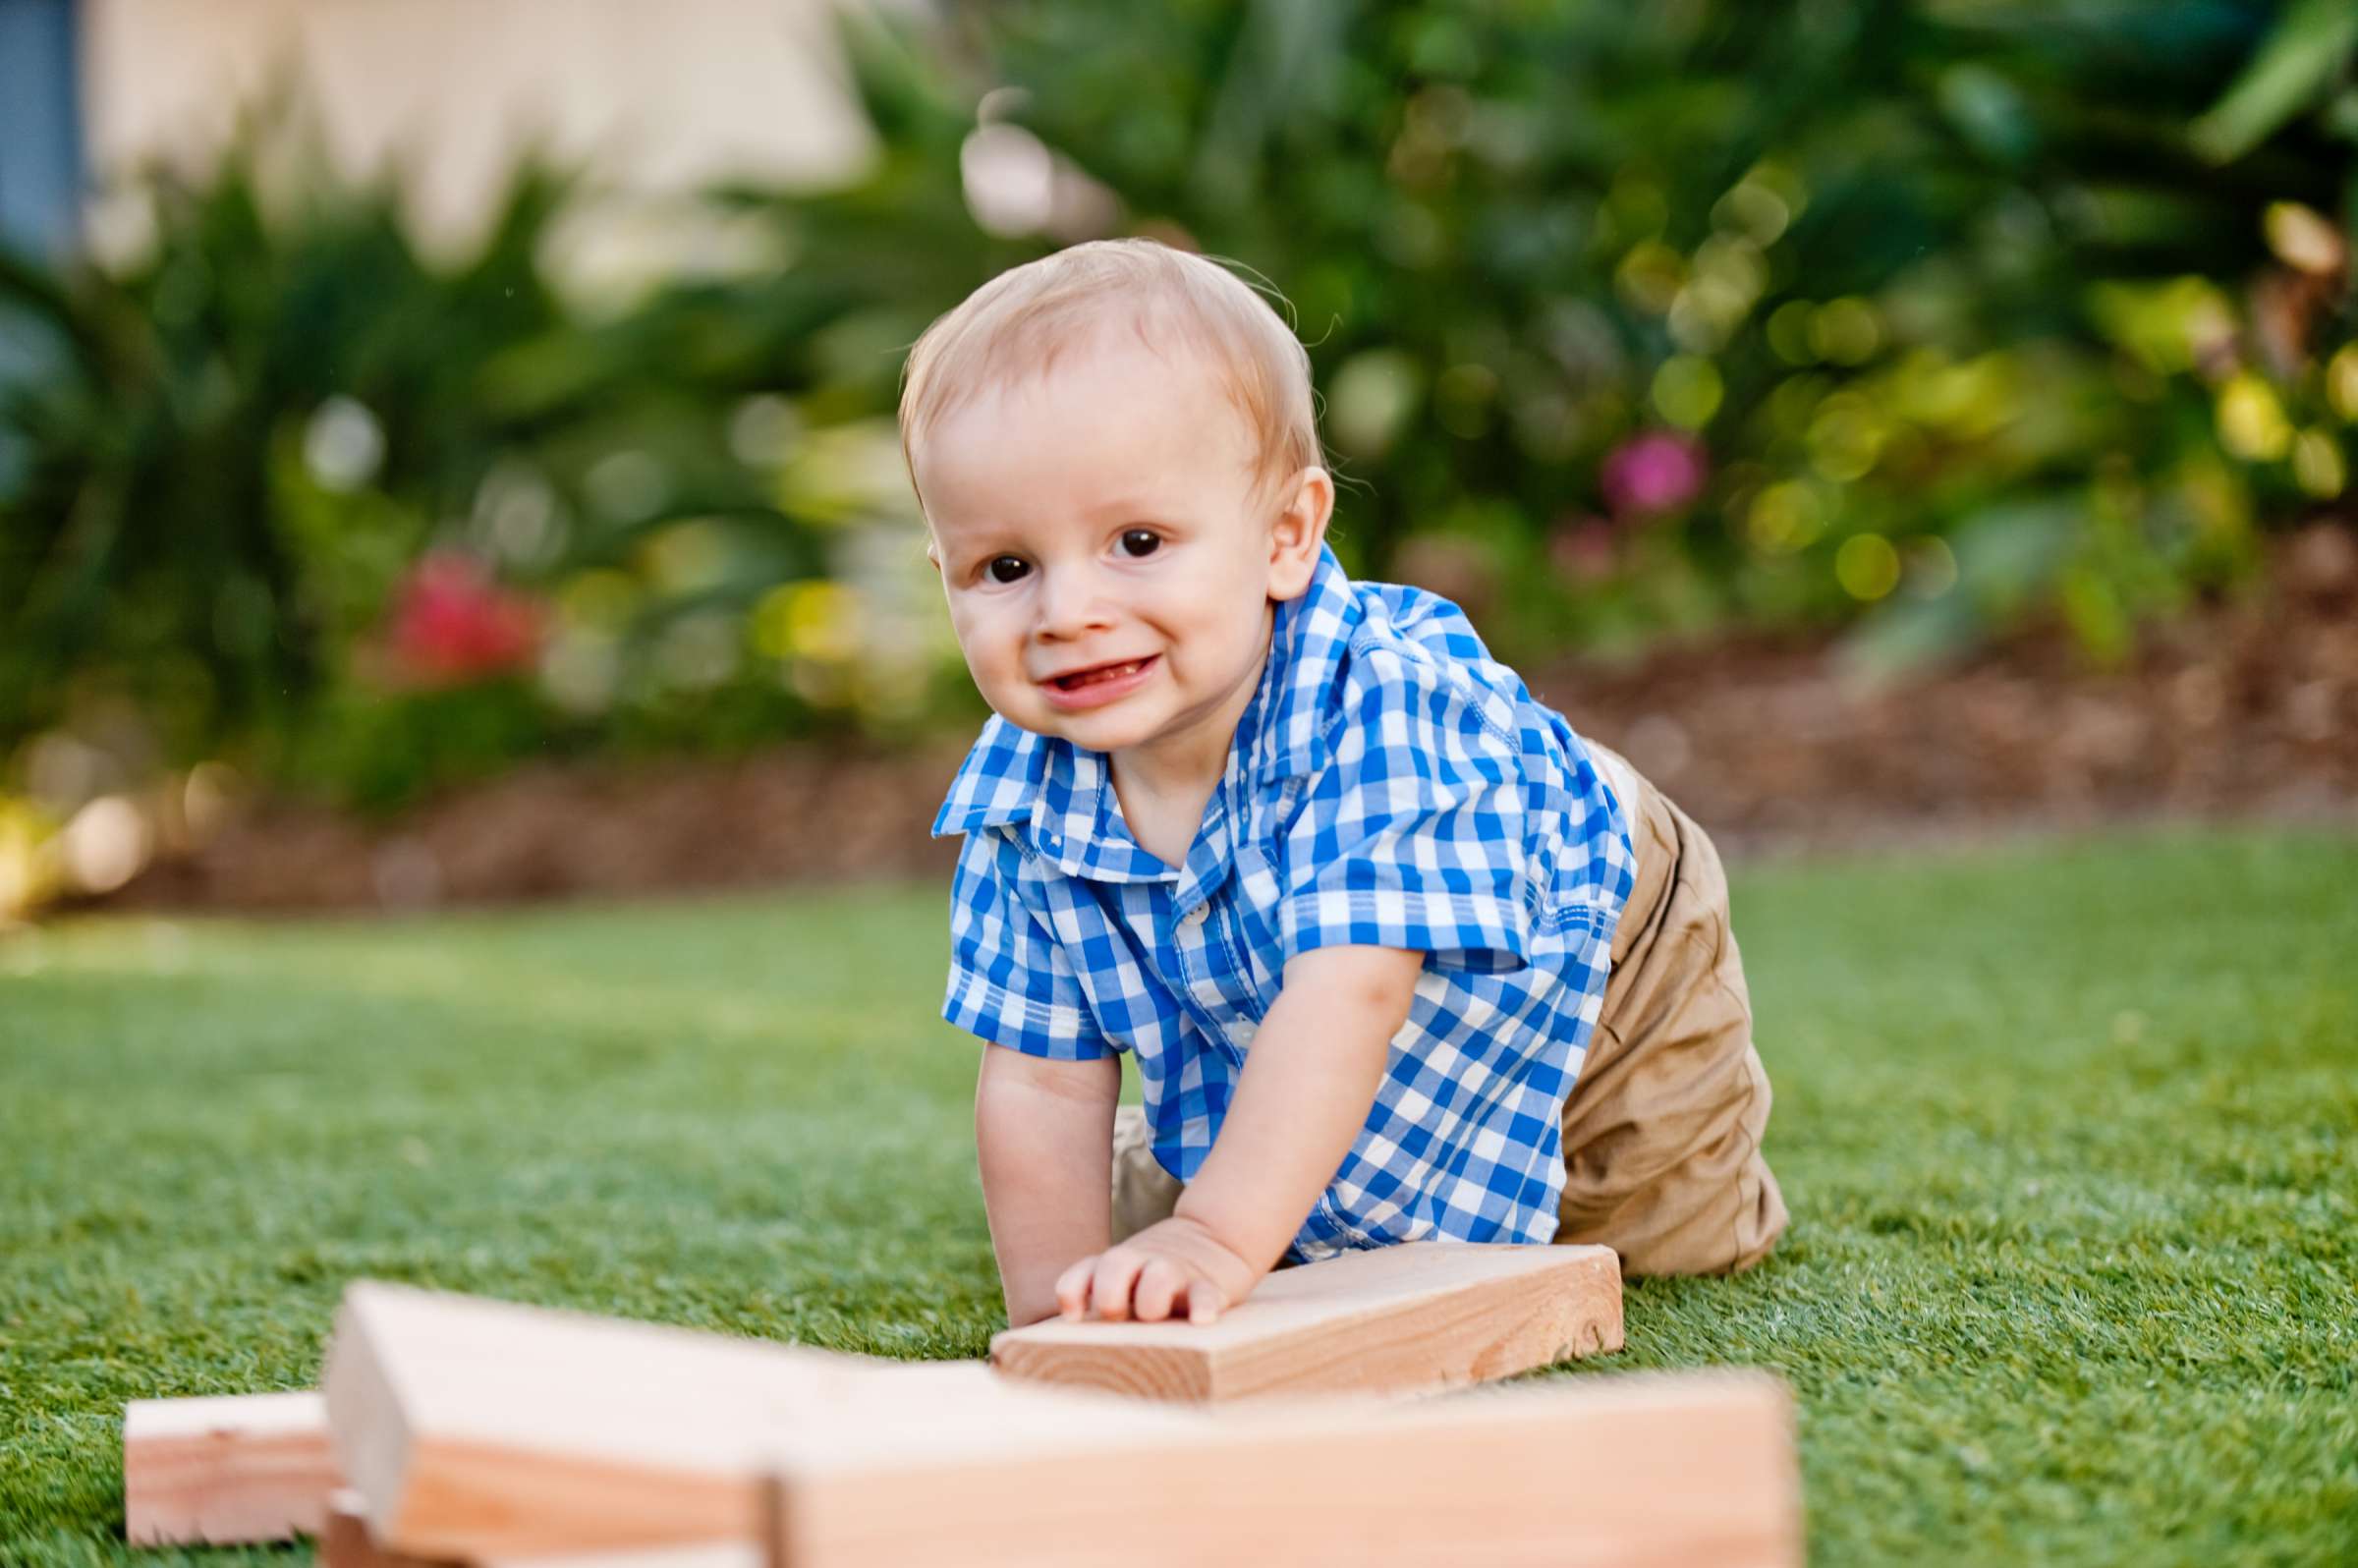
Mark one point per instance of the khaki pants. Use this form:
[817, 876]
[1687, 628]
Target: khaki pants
[1663, 1129]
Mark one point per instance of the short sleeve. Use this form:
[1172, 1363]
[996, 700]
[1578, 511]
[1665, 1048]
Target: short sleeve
[1412, 837]
[1010, 982]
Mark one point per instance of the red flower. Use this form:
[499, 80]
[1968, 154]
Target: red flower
[451, 624]
[1654, 472]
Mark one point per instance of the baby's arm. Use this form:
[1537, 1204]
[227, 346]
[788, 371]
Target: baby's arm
[1309, 1082]
[1043, 1134]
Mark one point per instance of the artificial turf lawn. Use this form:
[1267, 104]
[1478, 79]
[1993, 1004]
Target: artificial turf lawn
[2070, 1134]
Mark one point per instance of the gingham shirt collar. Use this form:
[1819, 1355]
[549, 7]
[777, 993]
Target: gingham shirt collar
[1064, 792]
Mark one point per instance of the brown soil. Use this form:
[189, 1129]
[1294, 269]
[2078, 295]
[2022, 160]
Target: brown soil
[2242, 710]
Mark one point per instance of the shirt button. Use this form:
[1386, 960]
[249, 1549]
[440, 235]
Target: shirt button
[1194, 917]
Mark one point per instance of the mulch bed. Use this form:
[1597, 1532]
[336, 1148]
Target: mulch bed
[2241, 709]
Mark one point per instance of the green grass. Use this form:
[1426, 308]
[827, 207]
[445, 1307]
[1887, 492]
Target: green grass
[2070, 1134]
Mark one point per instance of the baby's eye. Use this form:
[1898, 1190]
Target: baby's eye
[1141, 541]
[1007, 568]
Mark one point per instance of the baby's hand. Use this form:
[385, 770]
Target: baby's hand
[1165, 1269]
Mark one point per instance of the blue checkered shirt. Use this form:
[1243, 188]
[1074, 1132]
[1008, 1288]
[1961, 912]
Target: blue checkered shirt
[1389, 785]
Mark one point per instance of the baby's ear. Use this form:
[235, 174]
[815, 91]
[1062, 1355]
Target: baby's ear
[1299, 532]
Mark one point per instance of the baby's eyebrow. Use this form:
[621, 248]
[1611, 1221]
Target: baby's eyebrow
[983, 540]
[1125, 506]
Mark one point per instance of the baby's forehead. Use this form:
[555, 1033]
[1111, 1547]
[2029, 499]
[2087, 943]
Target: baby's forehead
[1107, 401]
[1059, 350]
[1071, 467]
[1013, 387]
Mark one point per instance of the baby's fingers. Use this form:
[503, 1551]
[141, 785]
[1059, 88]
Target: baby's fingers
[1160, 1285]
[1072, 1288]
[1110, 1292]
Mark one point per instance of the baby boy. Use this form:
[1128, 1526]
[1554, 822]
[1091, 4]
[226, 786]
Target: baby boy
[1397, 956]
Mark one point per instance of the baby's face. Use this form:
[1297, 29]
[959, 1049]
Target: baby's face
[1108, 558]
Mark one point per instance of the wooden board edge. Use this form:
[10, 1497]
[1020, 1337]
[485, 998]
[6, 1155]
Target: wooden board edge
[472, 1502]
[1212, 1373]
[195, 1473]
[1688, 1468]
[1179, 1373]
[365, 1421]
[1594, 1275]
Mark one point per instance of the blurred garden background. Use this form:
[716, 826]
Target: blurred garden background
[447, 460]
[446, 452]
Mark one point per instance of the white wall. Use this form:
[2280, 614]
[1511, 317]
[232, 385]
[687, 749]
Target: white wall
[661, 94]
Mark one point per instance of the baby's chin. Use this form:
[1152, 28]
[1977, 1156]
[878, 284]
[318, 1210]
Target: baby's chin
[1106, 731]
[1090, 736]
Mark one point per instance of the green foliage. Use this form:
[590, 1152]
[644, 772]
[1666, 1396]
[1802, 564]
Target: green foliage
[2292, 71]
[2072, 1275]
[1922, 315]
[162, 529]
[1853, 247]
[224, 463]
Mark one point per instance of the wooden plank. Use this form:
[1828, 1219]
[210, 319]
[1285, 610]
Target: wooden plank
[703, 1555]
[1392, 1320]
[483, 1430]
[1654, 1470]
[345, 1541]
[501, 1433]
[226, 1470]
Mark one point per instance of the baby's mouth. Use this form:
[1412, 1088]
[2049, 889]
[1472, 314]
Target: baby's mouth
[1076, 680]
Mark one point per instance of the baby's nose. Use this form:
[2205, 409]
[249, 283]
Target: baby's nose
[1070, 602]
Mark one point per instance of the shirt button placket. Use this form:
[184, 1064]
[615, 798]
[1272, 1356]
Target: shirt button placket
[1196, 964]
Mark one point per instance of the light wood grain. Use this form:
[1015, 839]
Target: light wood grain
[704, 1554]
[482, 1429]
[344, 1541]
[1655, 1471]
[501, 1433]
[225, 1470]
[347, 1543]
[1398, 1320]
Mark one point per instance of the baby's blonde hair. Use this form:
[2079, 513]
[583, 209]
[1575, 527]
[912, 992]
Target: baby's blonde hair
[1020, 322]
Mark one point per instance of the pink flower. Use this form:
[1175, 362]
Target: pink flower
[451, 624]
[1658, 472]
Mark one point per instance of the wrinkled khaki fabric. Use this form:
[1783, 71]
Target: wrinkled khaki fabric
[1663, 1128]
[1144, 1192]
